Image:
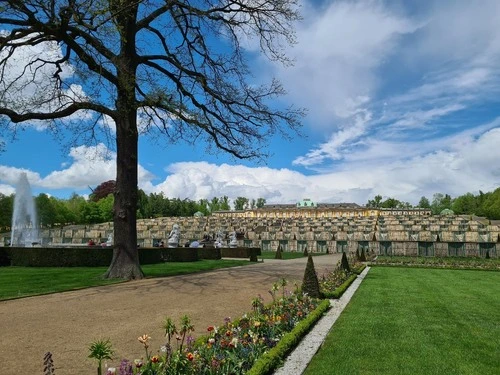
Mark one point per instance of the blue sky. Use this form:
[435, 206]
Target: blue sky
[402, 99]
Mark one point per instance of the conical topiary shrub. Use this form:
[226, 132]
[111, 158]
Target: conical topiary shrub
[362, 257]
[310, 284]
[279, 254]
[344, 264]
[357, 255]
[306, 253]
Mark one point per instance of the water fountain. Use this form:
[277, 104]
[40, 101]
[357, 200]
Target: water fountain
[24, 218]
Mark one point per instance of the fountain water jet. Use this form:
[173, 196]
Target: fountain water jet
[24, 218]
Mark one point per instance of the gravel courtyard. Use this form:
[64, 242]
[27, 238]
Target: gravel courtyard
[66, 323]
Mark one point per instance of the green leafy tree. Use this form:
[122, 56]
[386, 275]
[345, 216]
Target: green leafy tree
[424, 203]
[62, 212]
[491, 205]
[142, 204]
[224, 203]
[91, 213]
[261, 202]
[47, 213]
[390, 203]
[160, 61]
[440, 202]
[105, 206]
[240, 203]
[375, 202]
[6, 209]
[76, 206]
[465, 204]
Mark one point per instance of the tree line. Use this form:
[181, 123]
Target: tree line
[98, 208]
[481, 204]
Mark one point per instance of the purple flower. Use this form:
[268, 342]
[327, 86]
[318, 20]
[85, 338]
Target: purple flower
[125, 368]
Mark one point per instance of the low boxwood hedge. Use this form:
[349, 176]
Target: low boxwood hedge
[337, 293]
[209, 253]
[89, 256]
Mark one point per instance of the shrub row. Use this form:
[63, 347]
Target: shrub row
[359, 269]
[241, 252]
[274, 357]
[59, 257]
[337, 293]
[96, 256]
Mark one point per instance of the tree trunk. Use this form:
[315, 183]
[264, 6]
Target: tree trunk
[125, 262]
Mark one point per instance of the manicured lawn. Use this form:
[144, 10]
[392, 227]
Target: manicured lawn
[286, 255]
[26, 281]
[417, 321]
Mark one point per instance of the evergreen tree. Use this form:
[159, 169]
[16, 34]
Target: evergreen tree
[279, 254]
[310, 283]
[344, 263]
[362, 257]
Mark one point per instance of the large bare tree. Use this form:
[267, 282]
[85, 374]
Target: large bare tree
[170, 67]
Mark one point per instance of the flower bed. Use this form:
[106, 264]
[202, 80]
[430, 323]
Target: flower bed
[262, 337]
[437, 262]
[335, 283]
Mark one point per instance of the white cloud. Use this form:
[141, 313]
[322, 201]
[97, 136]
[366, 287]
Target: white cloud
[334, 148]
[11, 175]
[339, 49]
[454, 165]
[6, 189]
[91, 166]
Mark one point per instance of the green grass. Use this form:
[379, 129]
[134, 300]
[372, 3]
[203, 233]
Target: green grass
[417, 321]
[28, 281]
[286, 255]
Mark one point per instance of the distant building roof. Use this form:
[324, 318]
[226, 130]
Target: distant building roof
[307, 203]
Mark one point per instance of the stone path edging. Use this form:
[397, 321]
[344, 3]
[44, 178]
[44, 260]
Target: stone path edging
[297, 361]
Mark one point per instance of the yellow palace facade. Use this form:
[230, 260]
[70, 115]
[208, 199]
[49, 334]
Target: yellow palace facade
[306, 208]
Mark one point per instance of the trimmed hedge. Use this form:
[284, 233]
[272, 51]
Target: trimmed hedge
[97, 256]
[179, 254]
[4, 257]
[337, 293]
[268, 362]
[359, 269]
[241, 252]
[209, 253]
[89, 256]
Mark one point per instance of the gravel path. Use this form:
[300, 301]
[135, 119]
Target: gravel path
[66, 323]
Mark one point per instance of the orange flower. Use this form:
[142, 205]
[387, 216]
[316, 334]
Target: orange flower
[144, 340]
[190, 356]
[155, 359]
[210, 328]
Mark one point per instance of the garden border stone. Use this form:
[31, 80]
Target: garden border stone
[298, 360]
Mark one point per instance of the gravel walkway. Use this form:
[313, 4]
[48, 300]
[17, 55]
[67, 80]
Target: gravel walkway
[66, 323]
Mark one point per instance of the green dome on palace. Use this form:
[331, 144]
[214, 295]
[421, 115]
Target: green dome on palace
[447, 211]
[306, 203]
